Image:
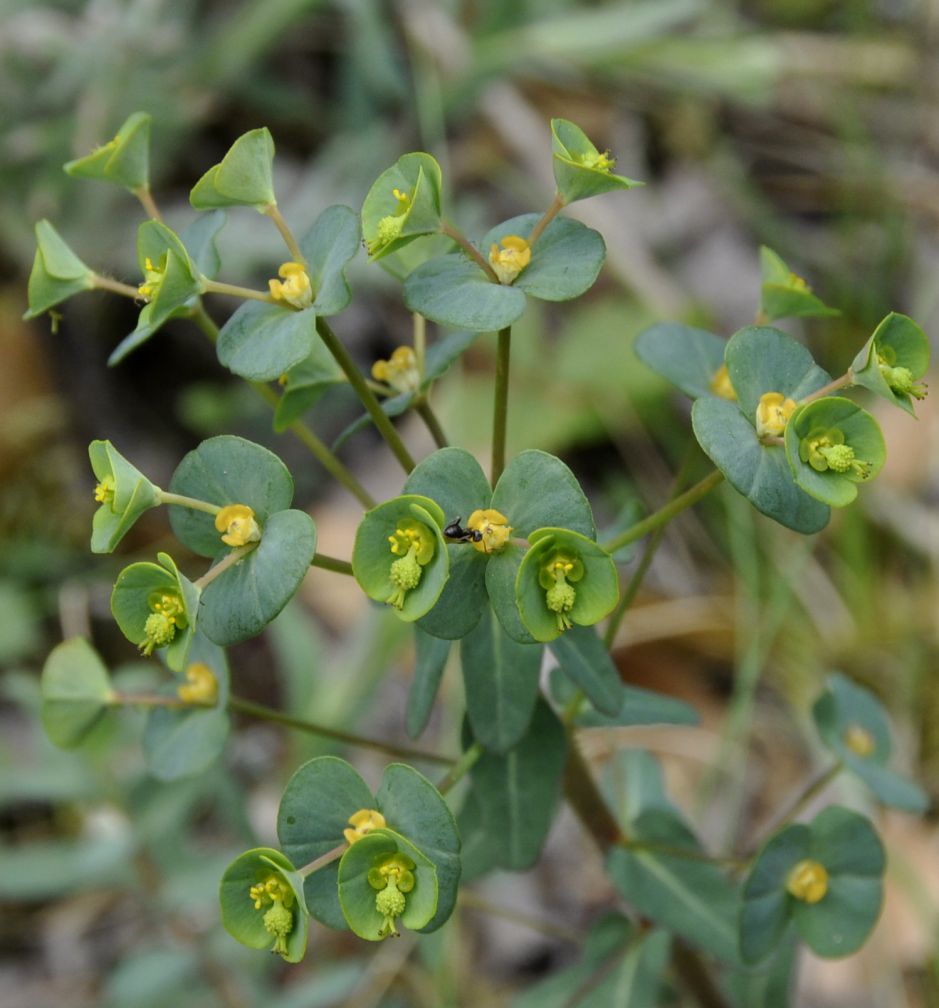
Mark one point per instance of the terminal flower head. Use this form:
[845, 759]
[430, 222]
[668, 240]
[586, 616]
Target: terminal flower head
[558, 575]
[509, 257]
[808, 881]
[390, 226]
[277, 897]
[493, 527]
[392, 877]
[772, 414]
[294, 287]
[400, 371]
[826, 450]
[721, 384]
[859, 741]
[414, 544]
[201, 686]
[362, 823]
[167, 615]
[153, 277]
[237, 524]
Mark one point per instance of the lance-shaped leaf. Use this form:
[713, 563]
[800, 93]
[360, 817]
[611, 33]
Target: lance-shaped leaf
[244, 177]
[402, 204]
[57, 272]
[893, 360]
[691, 359]
[124, 493]
[580, 170]
[125, 160]
[430, 659]
[251, 924]
[76, 691]
[853, 724]
[784, 294]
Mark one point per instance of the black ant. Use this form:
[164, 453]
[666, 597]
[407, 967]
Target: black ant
[455, 531]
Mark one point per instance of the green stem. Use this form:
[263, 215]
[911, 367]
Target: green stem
[809, 791]
[459, 769]
[331, 564]
[665, 514]
[106, 283]
[420, 341]
[557, 205]
[236, 556]
[469, 248]
[147, 202]
[500, 408]
[365, 394]
[188, 502]
[217, 287]
[120, 698]
[429, 417]
[682, 852]
[323, 860]
[242, 706]
[275, 215]
[844, 380]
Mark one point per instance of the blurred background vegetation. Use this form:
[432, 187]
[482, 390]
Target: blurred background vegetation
[808, 125]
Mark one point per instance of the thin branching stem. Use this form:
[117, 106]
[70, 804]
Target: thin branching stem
[557, 205]
[331, 564]
[275, 215]
[500, 408]
[115, 286]
[470, 249]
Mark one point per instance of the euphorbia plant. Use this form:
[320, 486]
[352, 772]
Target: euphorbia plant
[508, 562]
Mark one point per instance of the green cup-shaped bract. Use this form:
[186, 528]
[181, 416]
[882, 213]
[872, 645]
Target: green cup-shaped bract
[125, 160]
[389, 223]
[243, 921]
[179, 282]
[357, 895]
[57, 272]
[580, 170]
[76, 691]
[135, 589]
[832, 445]
[847, 847]
[244, 177]
[893, 360]
[853, 725]
[128, 493]
[593, 594]
[786, 295]
[372, 557]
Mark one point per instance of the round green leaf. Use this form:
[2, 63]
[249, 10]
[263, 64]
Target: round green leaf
[57, 272]
[767, 907]
[242, 178]
[596, 593]
[861, 432]
[226, 470]
[76, 691]
[565, 261]
[501, 572]
[240, 603]
[199, 240]
[785, 295]
[414, 808]
[328, 247]
[372, 557]
[538, 490]
[687, 357]
[430, 660]
[133, 494]
[357, 897]
[262, 341]
[184, 742]
[130, 604]
[761, 359]
[760, 472]
[453, 291]
[125, 160]
[577, 169]
[416, 175]
[314, 810]
[239, 917]
[902, 343]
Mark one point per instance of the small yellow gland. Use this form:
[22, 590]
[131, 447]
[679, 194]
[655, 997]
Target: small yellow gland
[272, 889]
[104, 491]
[721, 384]
[772, 414]
[201, 686]
[294, 287]
[859, 740]
[509, 260]
[494, 528]
[400, 371]
[153, 277]
[362, 823]
[237, 525]
[808, 881]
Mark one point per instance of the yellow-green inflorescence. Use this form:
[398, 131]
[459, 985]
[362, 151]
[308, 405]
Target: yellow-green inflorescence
[104, 491]
[153, 277]
[274, 894]
[859, 741]
[808, 881]
[167, 615]
[237, 524]
[389, 227]
[393, 876]
[200, 687]
[493, 528]
[900, 379]
[414, 545]
[772, 414]
[294, 287]
[826, 450]
[556, 577]
[362, 823]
